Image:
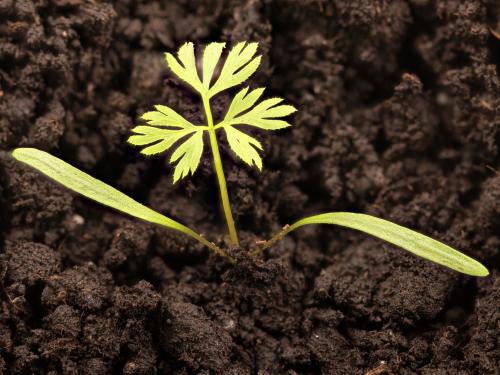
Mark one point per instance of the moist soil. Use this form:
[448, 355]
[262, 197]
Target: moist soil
[398, 117]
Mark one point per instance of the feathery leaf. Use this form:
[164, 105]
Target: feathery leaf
[187, 71]
[264, 115]
[240, 64]
[238, 67]
[211, 57]
[159, 139]
[244, 146]
[188, 156]
[165, 116]
[243, 101]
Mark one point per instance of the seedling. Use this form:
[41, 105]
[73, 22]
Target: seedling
[166, 130]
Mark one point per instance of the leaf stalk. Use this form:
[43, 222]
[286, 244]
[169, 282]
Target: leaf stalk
[270, 242]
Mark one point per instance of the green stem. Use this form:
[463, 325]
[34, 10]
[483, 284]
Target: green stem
[277, 237]
[220, 173]
[207, 243]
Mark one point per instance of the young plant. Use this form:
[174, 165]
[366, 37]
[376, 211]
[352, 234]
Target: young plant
[165, 130]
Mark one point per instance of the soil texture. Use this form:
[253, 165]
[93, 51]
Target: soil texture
[399, 117]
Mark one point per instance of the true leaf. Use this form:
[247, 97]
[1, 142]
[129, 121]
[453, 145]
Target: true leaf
[188, 156]
[187, 71]
[241, 102]
[244, 146]
[167, 117]
[159, 139]
[211, 57]
[238, 67]
[264, 115]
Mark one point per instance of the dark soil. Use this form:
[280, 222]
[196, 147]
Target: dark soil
[398, 117]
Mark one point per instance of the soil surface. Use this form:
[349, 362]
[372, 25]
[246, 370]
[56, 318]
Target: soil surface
[399, 117]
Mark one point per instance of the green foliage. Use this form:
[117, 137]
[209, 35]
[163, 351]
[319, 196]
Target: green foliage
[244, 146]
[262, 116]
[92, 188]
[167, 117]
[239, 65]
[188, 156]
[165, 128]
[414, 242]
[187, 71]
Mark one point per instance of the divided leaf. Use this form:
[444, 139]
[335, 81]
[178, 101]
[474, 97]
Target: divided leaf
[264, 115]
[187, 71]
[159, 139]
[165, 116]
[188, 156]
[240, 64]
[243, 101]
[244, 146]
[238, 67]
[211, 57]
[176, 127]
